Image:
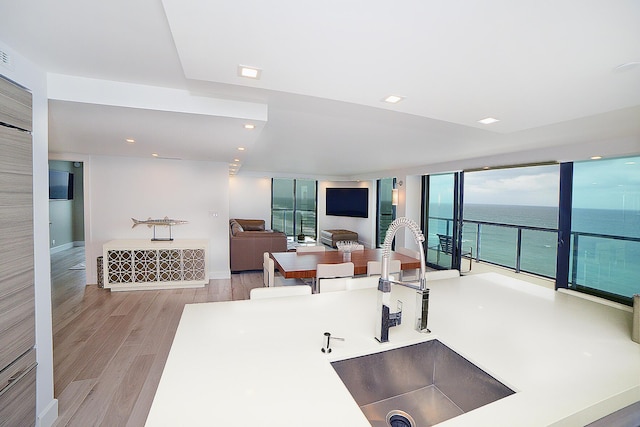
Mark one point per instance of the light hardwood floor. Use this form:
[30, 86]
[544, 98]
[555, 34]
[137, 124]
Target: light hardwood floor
[109, 349]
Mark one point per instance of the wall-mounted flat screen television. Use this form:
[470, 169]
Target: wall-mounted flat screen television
[60, 185]
[348, 202]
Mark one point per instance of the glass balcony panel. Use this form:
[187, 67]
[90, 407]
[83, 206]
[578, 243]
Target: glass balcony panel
[538, 252]
[606, 264]
[498, 245]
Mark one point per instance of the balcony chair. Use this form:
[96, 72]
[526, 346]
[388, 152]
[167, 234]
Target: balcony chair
[446, 247]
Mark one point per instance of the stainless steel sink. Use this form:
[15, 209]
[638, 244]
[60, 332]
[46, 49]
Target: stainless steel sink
[428, 381]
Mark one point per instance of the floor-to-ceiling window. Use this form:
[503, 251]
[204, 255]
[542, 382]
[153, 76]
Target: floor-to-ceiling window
[576, 222]
[605, 228]
[511, 217]
[293, 207]
[386, 210]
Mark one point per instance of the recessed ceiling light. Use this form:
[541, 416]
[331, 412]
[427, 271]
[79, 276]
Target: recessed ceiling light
[488, 121]
[595, 157]
[240, 148]
[393, 99]
[130, 141]
[486, 168]
[236, 160]
[249, 126]
[249, 72]
[154, 154]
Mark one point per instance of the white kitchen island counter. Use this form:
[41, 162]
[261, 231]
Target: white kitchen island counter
[258, 363]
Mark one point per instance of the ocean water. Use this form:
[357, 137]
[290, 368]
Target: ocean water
[604, 262]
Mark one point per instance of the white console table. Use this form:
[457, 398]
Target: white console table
[130, 265]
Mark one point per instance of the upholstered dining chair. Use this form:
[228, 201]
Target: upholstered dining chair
[269, 276]
[326, 272]
[279, 291]
[374, 268]
[364, 282]
[409, 274]
[268, 271]
[333, 284]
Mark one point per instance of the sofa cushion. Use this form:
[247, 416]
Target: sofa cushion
[251, 224]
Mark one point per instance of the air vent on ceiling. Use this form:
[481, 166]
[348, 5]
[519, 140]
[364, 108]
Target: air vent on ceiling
[5, 59]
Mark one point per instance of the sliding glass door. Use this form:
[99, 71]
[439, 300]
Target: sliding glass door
[443, 215]
[293, 207]
[511, 217]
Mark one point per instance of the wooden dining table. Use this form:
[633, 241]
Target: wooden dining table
[302, 265]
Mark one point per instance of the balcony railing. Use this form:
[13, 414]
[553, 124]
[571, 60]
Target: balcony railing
[601, 262]
[283, 220]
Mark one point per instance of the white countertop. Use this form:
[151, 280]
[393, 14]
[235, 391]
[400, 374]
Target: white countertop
[258, 363]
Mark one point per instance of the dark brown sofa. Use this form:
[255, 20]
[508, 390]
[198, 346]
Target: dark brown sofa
[249, 240]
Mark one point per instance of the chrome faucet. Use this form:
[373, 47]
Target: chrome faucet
[385, 319]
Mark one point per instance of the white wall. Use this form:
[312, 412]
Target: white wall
[409, 200]
[24, 72]
[250, 198]
[123, 188]
[365, 227]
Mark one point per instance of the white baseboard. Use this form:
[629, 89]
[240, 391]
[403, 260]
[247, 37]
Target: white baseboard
[49, 415]
[66, 246]
[221, 274]
[60, 248]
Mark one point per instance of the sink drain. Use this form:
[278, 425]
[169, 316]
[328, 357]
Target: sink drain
[397, 418]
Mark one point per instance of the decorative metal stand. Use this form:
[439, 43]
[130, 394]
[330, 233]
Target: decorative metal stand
[162, 239]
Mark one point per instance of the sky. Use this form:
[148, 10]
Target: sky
[531, 186]
[598, 184]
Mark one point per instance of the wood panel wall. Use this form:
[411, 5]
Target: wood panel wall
[17, 299]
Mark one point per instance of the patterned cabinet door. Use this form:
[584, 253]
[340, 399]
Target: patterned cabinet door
[145, 265]
[170, 265]
[120, 266]
[193, 264]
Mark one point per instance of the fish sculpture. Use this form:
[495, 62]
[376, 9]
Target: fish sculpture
[158, 222]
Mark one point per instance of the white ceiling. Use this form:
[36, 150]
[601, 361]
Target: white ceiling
[546, 69]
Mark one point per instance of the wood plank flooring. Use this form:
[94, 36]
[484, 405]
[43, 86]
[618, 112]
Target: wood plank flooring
[109, 349]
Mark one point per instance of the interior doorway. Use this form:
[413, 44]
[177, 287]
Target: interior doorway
[66, 205]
